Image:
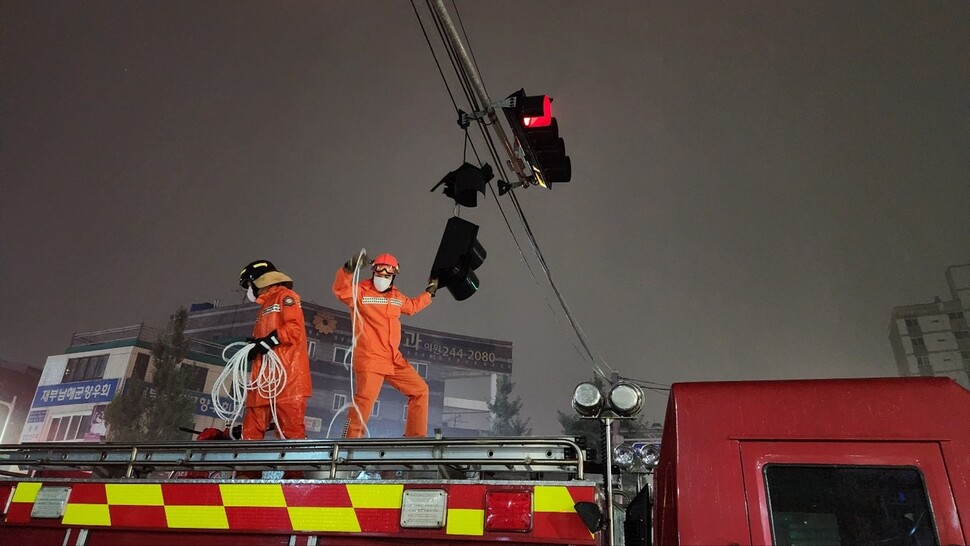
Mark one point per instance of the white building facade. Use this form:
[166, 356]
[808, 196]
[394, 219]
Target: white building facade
[933, 339]
[75, 387]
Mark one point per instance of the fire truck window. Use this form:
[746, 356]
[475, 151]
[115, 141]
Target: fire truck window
[848, 505]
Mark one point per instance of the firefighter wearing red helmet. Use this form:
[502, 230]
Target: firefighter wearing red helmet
[280, 327]
[377, 354]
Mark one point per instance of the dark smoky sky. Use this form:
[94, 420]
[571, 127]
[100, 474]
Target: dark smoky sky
[755, 184]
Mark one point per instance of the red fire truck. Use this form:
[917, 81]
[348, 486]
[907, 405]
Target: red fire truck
[863, 461]
[844, 461]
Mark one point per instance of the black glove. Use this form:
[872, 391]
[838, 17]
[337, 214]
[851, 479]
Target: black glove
[432, 286]
[351, 264]
[264, 344]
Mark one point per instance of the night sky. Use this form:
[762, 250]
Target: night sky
[755, 184]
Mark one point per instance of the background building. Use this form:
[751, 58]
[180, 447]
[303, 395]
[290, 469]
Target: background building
[933, 338]
[461, 371]
[75, 387]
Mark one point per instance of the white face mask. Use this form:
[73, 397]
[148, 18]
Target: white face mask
[382, 283]
[249, 294]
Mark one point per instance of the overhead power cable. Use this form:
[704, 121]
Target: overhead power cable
[587, 352]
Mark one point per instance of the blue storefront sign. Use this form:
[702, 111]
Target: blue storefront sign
[79, 392]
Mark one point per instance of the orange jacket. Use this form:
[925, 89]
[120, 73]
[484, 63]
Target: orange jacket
[279, 309]
[378, 347]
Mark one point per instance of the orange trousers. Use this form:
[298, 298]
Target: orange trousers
[367, 385]
[289, 414]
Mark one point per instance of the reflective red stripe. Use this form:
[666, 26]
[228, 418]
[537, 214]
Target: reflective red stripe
[138, 516]
[202, 494]
[312, 495]
[258, 518]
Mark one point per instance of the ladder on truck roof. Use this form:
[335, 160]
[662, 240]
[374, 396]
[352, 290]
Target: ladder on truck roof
[463, 457]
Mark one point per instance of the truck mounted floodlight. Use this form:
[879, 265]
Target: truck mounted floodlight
[624, 457]
[625, 399]
[649, 455]
[587, 400]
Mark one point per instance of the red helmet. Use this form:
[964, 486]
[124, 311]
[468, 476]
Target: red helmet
[386, 260]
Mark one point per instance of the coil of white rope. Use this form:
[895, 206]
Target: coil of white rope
[231, 387]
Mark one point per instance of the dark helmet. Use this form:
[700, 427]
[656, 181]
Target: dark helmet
[254, 271]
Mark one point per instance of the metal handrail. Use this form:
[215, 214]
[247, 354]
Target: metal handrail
[509, 454]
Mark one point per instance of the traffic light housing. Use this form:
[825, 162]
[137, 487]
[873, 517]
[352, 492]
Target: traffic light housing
[537, 132]
[465, 183]
[459, 254]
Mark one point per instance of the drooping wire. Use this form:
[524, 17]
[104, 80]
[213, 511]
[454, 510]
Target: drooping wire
[473, 101]
[441, 72]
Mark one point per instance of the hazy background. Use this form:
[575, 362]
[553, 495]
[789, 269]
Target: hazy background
[755, 184]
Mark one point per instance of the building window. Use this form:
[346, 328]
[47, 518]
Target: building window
[85, 368]
[817, 501]
[405, 414]
[961, 334]
[339, 401]
[957, 315]
[140, 371]
[376, 410]
[923, 364]
[311, 348]
[68, 428]
[918, 342]
[421, 368]
[342, 355]
[195, 377]
[912, 324]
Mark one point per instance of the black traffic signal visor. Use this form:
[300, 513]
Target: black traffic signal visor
[464, 183]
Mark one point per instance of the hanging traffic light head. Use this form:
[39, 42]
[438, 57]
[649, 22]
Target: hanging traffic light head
[464, 183]
[459, 254]
[537, 133]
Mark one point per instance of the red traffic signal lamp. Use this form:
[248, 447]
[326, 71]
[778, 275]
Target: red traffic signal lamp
[537, 133]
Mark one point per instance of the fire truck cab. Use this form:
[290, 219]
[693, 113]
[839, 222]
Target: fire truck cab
[843, 461]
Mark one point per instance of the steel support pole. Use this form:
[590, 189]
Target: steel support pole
[608, 477]
[10, 405]
[479, 89]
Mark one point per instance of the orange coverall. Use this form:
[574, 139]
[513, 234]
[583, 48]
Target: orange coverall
[279, 309]
[377, 355]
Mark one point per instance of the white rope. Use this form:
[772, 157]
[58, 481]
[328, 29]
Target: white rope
[234, 382]
[354, 315]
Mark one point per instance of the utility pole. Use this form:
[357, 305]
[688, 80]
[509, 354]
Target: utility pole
[479, 89]
[10, 405]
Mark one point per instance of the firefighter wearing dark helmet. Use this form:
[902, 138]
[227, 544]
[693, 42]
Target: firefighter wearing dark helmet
[280, 327]
[377, 355]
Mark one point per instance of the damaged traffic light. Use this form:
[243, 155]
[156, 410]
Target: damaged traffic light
[537, 132]
[465, 183]
[459, 254]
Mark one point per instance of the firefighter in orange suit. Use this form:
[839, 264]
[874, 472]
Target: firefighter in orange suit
[280, 327]
[377, 354]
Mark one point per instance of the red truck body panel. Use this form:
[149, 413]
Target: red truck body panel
[214, 513]
[718, 437]
[458, 491]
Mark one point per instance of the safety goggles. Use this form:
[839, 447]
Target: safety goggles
[383, 269]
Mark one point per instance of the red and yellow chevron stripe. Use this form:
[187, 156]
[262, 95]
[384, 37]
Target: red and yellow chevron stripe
[372, 508]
